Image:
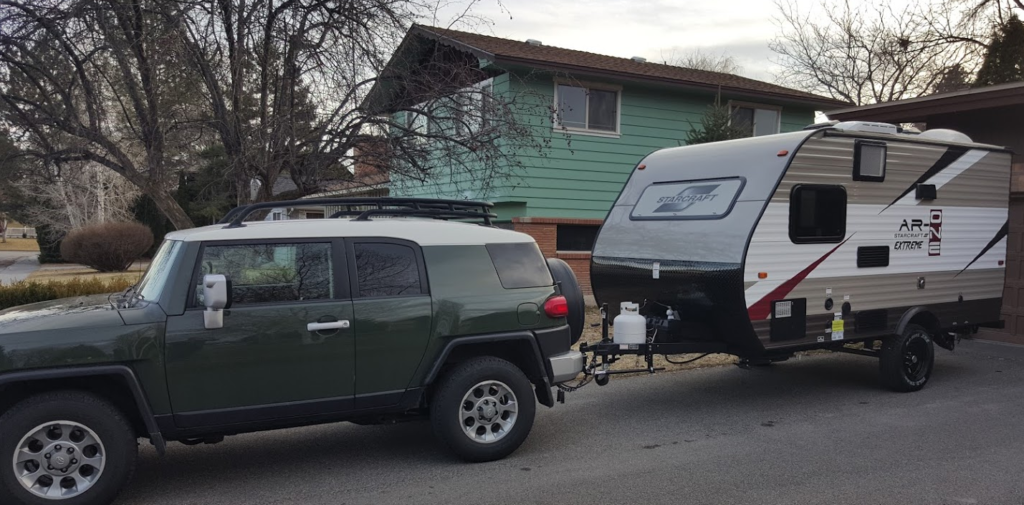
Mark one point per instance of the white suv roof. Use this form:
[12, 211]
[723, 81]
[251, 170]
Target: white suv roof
[425, 232]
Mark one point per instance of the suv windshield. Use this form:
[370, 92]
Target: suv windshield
[153, 282]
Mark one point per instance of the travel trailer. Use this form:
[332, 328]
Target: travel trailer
[838, 234]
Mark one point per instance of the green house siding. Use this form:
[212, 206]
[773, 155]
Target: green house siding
[580, 175]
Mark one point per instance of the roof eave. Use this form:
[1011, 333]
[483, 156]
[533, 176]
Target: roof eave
[546, 65]
[458, 44]
[919, 108]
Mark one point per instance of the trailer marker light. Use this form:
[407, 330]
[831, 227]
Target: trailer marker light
[1001, 262]
[783, 153]
[556, 306]
[641, 167]
[762, 275]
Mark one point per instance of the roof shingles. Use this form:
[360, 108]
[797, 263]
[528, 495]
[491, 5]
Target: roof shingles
[514, 51]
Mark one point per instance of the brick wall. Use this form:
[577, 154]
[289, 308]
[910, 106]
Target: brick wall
[545, 231]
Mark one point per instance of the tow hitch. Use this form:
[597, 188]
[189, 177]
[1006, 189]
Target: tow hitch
[606, 352]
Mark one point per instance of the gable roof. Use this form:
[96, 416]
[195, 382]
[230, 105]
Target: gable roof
[508, 51]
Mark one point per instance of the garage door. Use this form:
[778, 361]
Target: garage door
[1013, 291]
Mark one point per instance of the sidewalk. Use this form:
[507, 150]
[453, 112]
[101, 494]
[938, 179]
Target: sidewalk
[24, 263]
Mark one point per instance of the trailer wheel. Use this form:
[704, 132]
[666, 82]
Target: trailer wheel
[562, 273]
[906, 360]
[483, 409]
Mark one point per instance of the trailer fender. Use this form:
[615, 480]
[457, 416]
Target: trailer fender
[925, 318]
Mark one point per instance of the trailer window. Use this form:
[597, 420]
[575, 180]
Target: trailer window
[869, 161]
[817, 213]
[700, 199]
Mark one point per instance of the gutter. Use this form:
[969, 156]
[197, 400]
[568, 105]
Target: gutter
[797, 100]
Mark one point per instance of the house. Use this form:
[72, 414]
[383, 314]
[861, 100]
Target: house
[991, 115]
[601, 115]
[369, 179]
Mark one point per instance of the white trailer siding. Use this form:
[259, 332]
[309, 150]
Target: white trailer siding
[966, 261]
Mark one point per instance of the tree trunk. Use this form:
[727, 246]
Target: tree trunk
[169, 207]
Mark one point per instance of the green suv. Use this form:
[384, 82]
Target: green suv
[389, 310]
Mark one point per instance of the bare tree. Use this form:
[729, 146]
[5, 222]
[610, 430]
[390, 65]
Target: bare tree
[90, 194]
[287, 84]
[94, 80]
[142, 86]
[700, 59]
[869, 53]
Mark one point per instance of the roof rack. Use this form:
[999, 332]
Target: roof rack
[364, 208]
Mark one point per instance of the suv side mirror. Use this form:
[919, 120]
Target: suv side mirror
[216, 298]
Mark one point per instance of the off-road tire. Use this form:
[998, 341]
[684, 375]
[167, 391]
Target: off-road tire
[563, 274]
[899, 371]
[446, 418]
[110, 425]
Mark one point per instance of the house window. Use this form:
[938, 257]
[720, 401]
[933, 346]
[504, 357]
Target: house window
[869, 161]
[756, 120]
[473, 114]
[817, 214]
[584, 108]
[574, 237]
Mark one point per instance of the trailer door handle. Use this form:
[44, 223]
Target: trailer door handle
[333, 325]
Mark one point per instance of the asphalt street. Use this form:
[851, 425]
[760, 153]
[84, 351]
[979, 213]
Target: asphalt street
[814, 430]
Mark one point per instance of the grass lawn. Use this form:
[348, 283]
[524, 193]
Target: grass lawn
[20, 244]
[65, 271]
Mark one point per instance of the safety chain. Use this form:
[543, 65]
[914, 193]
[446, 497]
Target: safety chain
[589, 376]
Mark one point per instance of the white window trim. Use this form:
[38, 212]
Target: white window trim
[485, 87]
[754, 105]
[556, 126]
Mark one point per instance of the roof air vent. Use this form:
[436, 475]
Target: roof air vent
[534, 42]
[946, 135]
[639, 59]
[866, 127]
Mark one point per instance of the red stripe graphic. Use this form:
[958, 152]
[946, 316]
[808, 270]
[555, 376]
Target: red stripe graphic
[763, 308]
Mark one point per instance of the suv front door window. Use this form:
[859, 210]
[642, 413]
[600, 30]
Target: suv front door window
[265, 356]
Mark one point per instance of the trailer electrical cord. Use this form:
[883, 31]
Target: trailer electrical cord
[687, 361]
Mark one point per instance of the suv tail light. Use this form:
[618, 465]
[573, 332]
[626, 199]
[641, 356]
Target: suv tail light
[556, 306]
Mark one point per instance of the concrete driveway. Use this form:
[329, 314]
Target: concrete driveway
[817, 430]
[17, 265]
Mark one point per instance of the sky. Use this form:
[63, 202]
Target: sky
[653, 29]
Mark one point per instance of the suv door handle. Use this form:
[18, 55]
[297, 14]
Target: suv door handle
[333, 325]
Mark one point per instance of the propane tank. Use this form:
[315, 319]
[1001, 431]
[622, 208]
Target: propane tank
[630, 326]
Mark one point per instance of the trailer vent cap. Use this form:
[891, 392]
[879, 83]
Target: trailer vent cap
[946, 135]
[866, 127]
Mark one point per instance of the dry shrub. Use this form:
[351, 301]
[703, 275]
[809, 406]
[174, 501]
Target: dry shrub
[107, 247]
[25, 292]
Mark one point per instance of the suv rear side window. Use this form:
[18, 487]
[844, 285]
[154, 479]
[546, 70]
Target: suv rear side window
[270, 273]
[520, 265]
[385, 269]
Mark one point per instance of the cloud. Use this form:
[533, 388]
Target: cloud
[627, 28]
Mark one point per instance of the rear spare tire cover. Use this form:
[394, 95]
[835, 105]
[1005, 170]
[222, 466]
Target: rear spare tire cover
[564, 275]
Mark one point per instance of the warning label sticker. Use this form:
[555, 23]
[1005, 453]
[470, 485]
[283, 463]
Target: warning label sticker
[837, 329]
